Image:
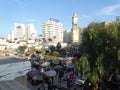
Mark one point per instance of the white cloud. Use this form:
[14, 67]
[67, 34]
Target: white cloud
[110, 10]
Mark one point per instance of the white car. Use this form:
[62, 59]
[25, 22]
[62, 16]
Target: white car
[79, 82]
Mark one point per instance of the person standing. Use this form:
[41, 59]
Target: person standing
[68, 83]
[61, 73]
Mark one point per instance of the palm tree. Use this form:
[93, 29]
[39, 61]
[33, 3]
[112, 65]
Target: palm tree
[50, 40]
[54, 37]
[44, 41]
[38, 40]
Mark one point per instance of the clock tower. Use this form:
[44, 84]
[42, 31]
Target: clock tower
[75, 29]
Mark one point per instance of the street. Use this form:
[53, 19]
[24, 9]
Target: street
[10, 68]
[9, 59]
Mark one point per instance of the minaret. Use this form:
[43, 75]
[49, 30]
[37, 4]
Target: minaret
[75, 29]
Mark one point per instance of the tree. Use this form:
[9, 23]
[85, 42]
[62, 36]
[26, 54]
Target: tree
[43, 49]
[55, 53]
[67, 48]
[58, 47]
[32, 49]
[49, 39]
[52, 49]
[9, 41]
[38, 40]
[15, 38]
[22, 48]
[83, 66]
[100, 43]
[44, 41]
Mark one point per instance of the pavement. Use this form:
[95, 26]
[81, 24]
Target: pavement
[23, 81]
[12, 85]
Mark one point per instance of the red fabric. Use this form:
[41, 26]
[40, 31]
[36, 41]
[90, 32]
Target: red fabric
[71, 77]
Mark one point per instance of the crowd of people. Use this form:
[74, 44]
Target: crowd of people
[63, 73]
[39, 66]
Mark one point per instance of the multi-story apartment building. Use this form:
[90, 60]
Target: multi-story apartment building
[52, 29]
[22, 32]
[19, 31]
[30, 31]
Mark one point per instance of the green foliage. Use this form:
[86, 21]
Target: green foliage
[49, 39]
[58, 47]
[22, 48]
[119, 55]
[83, 66]
[55, 53]
[119, 61]
[43, 49]
[32, 49]
[100, 43]
[50, 57]
[15, 39]
[67, 48]
[44, 40]
[52, 48]
[93, 78]
[99, 66]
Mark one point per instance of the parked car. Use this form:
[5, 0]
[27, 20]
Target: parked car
[80, 81]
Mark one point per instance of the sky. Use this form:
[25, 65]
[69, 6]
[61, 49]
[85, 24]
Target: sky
[38, 11]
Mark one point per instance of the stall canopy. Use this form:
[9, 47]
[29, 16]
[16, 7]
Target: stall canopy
[46, 64]
[50, 73]
[58, 67]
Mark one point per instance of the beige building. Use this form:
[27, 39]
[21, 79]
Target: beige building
[75, 29]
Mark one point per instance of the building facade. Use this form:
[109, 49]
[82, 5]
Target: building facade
[19, 31]
[75, 29]
[22, 32]
[67, 36]
[30, 31]
[52, 29]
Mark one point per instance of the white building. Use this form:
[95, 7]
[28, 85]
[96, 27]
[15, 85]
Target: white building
[11, 36]
[23, 32]
[3, 44]
[53, 29]
[19, 30]
[30, 31]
